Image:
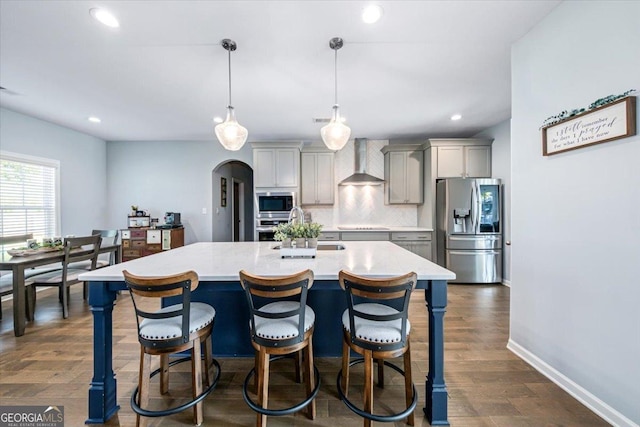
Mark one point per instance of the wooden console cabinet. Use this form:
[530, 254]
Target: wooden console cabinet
[139, 242]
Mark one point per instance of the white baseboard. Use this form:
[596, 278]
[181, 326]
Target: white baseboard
[599, 407]
[506, 282]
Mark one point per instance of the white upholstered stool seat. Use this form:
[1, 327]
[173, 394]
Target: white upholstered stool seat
[375, 330]
[200, 316]
[278, 329]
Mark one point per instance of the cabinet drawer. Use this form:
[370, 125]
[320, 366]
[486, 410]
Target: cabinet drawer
[151, 249]
[130, 253]
[138, 243]
[126, 244]
[365, 235]
[125, 234]
[154, 236]
[329, 236]
[419, 235]
[138, 234]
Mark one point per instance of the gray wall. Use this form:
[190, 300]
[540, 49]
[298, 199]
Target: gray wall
[576, 239]
[501, 168]
[161, 176]
[83, 163]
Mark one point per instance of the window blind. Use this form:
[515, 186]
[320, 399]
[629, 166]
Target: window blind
[28, 196]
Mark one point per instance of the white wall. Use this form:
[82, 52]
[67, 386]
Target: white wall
[175, 176]
[83, 163]
[501, 168]
[576, 241]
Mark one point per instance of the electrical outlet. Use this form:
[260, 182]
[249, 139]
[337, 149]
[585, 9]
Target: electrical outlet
[204, 211]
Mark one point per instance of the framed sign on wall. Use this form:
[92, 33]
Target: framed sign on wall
[223, 192]
[606, 123]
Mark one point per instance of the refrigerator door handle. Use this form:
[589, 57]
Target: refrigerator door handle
[474, 206]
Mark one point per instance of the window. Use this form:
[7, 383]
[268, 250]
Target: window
[28, 197]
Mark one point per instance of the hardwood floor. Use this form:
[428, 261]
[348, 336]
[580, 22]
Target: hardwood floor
[488, 386]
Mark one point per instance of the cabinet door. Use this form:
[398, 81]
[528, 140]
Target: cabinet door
[397, 177]
[478, 162]
[414, 177]
[324, 179]
[264, 168]
[286, 167]
[308, 172]
[422, 248]
[450, 162]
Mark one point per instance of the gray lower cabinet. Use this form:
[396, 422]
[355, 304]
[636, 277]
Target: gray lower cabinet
[417, 242]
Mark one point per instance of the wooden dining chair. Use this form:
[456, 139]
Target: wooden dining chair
[162, 332]
[76, 249]
[276, 305]
[376, 326]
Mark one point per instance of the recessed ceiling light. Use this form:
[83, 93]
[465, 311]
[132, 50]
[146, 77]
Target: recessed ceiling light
[94, 119]
[218, 119]
[105, 17]
[372, 14]
[456, 117]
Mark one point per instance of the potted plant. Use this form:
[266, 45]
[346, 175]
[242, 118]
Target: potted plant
[298, 233]
[312, 231]
[282, 233]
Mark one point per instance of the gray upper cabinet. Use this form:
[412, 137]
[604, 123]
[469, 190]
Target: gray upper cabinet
[317, 178]
[276, 164]
[467, 158]
[403, 166]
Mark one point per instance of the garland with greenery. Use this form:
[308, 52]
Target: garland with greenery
[595, 104]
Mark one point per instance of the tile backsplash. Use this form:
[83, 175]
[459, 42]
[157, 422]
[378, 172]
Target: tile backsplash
[362, 205]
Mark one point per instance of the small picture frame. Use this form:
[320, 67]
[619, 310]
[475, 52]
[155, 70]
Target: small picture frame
[223, 192]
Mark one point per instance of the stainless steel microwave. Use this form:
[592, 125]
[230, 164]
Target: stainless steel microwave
[272, 204]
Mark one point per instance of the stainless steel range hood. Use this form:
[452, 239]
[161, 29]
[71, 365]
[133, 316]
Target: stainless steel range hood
[360, 176]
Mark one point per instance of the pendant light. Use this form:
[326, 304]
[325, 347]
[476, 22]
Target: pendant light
[230, 133]
[335, 134]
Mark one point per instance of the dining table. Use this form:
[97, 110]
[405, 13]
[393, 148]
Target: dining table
[37, 258]
[218, 264]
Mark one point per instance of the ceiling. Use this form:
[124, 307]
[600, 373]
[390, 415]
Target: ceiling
[162, 75]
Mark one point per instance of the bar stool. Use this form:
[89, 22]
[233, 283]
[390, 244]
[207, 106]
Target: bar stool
[169, 330]
[276, 305]
[376, 326]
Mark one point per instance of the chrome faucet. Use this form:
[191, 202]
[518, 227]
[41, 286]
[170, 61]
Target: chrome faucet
[296, 215]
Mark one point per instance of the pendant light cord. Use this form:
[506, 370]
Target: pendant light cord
[336, 75]
[229, 51]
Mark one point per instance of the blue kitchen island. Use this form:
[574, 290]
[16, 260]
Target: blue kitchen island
[218, 264]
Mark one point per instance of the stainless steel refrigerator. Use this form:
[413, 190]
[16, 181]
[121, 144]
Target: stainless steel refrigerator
[469, 228]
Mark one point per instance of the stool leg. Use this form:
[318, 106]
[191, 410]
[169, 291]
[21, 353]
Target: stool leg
[408, 383]
[345, 367]
[196, 380]
[164, 373]
[380, 372]
[298, 360]
[310, 378]
[368, 385]
[263, 389]
[208, 354]
[143, 385]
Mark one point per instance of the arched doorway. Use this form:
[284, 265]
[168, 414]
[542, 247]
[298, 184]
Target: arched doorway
[232, 196]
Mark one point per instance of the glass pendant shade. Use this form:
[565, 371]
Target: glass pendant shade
[335, 134]
[230, 133]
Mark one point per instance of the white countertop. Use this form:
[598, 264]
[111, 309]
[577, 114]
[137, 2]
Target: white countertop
[221, 261]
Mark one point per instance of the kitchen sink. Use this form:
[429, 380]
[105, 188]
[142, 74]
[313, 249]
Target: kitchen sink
[322, 247]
